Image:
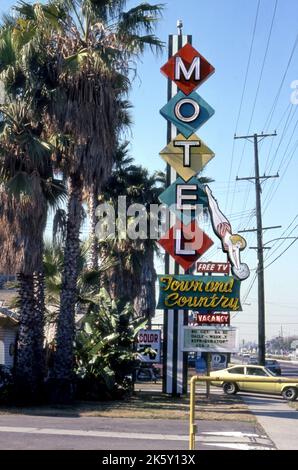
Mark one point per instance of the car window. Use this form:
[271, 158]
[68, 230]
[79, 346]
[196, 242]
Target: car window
[236, 370]
[270, 372]
[256, 371]
[270, 363]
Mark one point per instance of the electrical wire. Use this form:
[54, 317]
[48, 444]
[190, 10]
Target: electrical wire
[242, 96]
[283, 252]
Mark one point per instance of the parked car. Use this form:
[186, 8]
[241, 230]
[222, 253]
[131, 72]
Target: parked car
[289, 391]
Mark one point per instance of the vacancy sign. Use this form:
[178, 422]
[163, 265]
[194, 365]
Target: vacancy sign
[188, 69]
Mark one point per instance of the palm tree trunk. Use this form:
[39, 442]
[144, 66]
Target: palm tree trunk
[39, 352]
[27, 378]
[145, 301]
[64, 360]
[93, 250]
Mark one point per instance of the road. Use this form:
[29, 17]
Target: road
[59, 433]
[289, 369]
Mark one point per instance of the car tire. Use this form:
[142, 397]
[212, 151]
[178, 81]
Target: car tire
[230, 388]
[290, 393]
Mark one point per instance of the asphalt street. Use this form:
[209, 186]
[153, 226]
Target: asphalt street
[277, 428]
[60, 433]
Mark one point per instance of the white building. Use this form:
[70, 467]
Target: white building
[8, 334]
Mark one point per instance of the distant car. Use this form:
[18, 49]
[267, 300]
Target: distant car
[289, 391]
[253, 361]
[273, 366]
[270, 364]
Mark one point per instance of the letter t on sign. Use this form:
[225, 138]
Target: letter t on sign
[187, 144]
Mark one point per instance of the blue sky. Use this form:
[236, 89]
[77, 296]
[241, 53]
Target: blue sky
[222, 31]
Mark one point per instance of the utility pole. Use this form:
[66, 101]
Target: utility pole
[257, 179]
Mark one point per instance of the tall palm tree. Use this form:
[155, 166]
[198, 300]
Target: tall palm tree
[87, 47]
[27, 188]
[133, 278]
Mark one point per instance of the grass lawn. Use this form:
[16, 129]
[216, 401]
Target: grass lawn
[149, 405]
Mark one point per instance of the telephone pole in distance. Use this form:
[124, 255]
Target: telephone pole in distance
[257, 179]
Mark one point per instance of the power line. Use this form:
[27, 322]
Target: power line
[273, 190]
[242, 96]
[269, 118]
[294, 241]
[280, 244]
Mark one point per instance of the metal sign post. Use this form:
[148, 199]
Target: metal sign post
[174, 359]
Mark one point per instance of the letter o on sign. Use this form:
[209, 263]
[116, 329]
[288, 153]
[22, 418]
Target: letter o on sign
[189, 105]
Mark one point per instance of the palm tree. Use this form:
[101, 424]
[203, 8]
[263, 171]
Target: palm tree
[133, 278]
[87, 49]
[27, 188]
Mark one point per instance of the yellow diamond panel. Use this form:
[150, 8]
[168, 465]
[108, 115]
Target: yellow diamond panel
[187, 166]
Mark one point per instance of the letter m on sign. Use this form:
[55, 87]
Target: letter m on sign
[188, 69]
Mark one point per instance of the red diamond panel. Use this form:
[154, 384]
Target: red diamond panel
[188, 54]
[192, 239]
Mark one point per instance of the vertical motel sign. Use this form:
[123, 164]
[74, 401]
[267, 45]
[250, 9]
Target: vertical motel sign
[185, 154]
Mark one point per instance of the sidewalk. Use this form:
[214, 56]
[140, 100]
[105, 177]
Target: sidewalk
[278, 419]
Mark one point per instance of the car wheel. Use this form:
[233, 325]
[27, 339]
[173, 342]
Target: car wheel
[290, 394]
[230, 388]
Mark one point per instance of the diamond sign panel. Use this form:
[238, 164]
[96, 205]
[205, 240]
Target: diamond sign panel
[187, 156]
[186, 244]
[188, 69]
[187, 113]
[185, 200]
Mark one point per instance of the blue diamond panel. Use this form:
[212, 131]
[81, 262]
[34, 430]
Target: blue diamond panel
[187, 112]
[169, 198]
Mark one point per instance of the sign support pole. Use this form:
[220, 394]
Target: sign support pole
[174, 359]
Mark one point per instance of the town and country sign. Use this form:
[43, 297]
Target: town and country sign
[200, 293]
[186, 197]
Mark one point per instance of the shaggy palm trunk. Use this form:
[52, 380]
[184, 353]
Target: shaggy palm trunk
[145, 301]
[28, 376]
[93, 250]
[64, 359]
[39, 352]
